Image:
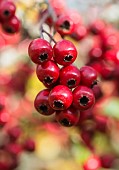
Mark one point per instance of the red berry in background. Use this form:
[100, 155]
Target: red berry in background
[12, 25]
[69, 76]
[64, 25]
[79, 32]
[97, 91]
[107, 160]
[14, 133]
[29, 145]
[95, 53]
[97, 27]
[40, 51]
[88, 76]
[3, 101]
[13, 148]
[68, 117]
[7, 10]
[93, 163]
[48, 73]
[4, 117]
[41, 103]
[60, 97]
[83, 98]
[4, 165]
[65, 52]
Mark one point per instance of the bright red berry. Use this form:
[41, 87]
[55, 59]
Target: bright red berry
[4, 117]
[65, 52]
[88, 76]
[29, 145]
[68, 117]
[12, 25]
[70, 76]
[40, 51]
[41, 103]
[83, 98]
[60, 97]
[64, 25]
[93, 163]
[48, 73]
[7, 10]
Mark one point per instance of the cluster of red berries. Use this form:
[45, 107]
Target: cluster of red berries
[11, 148]
[9, 21]
[68, 88]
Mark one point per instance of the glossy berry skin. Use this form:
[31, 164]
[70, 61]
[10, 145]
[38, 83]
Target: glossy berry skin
[60, 97]
[12, 25]
[48, 73]
[64, 25]
[7, 10]
[93, 163]
[29, 145]
[41, 103]
[70, 76]
[40, 51]
[88, 76]
[65, 52]
[68, 117]
[83, 98]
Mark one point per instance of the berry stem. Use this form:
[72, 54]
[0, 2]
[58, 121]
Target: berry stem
[50, 36]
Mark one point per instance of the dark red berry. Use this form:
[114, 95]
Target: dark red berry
[40, 51]
[48, 73]
[64, 25]
[60, 97]
[7, 10]
[13, 148]
[11, 26]
[70, 76]
[83, 98]
[29, 145]
[93, 163]
[14, 133]
[88, 76]
[41, 103]
[65, 52]
[107, 160]
[68, 117]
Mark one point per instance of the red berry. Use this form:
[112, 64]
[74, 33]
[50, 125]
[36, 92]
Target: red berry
[79, 32]
[13, 148]
[65, 52]
[93, 163]
[88, 76]
[70, 76]
[14, 133]
[97, 27]
[11, 26]
[29, 145]
[7, 10]
[68, 117]
[64, 25]
[83, 98]
[40, 51]
[107, 160]
[95, 53]
[41, 103]
[60, 97]
[4, 117]
[3, 101]
[48, 73]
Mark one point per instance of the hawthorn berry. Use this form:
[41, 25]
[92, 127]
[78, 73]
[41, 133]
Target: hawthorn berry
[40, 51]
[60, 97]
[12, 25]
[83, 98]
[65, 52]
[88, 76]
[14, 133]
[68, 117]
[69, 76]
[7, 10]
[29, 145]
[93, 163]
[64, 25]
[41, 103]
[48, 73]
